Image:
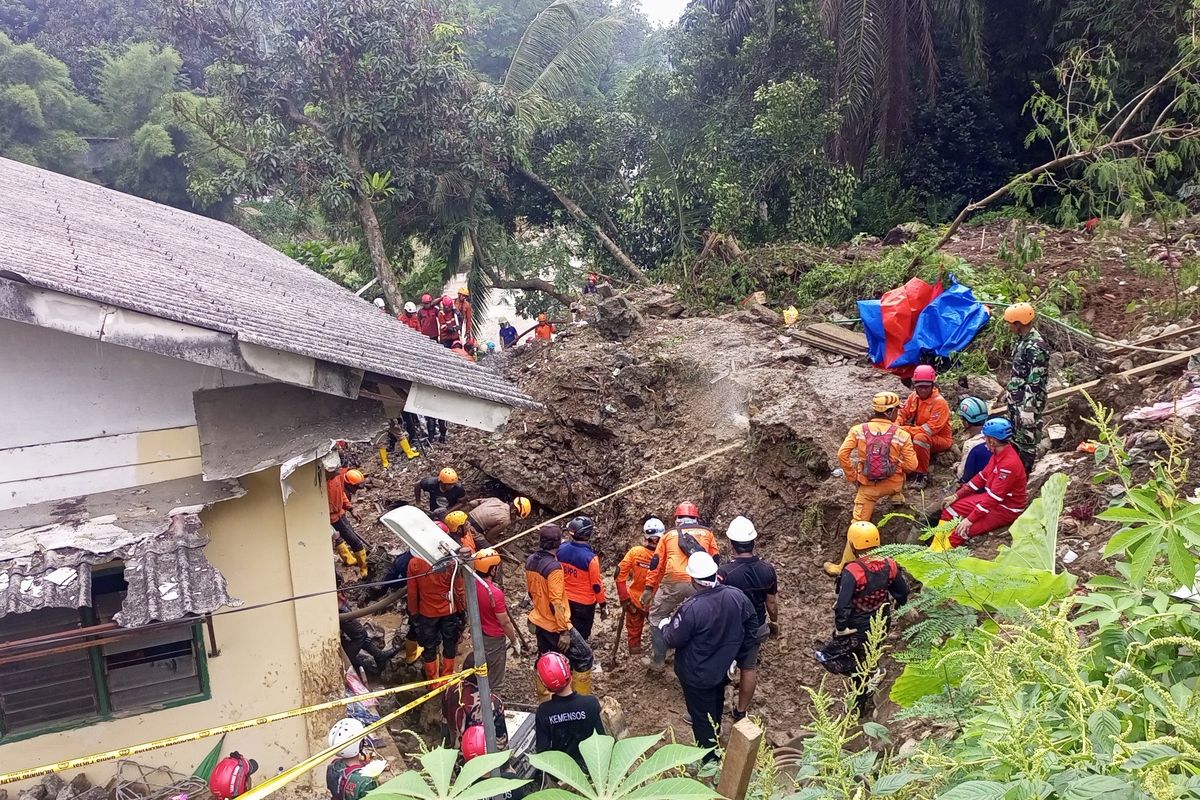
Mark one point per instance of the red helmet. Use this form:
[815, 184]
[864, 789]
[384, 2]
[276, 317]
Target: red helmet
[447, 302]
[231, 776]
[474, 742]
[924, 374]
[687, 509]
[445, 528]
[426, 299]
[554, 671]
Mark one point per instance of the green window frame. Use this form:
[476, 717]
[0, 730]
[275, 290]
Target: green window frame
[59, 688]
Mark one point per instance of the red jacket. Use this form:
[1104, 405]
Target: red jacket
[411, 320]
[1001, 484]
[427, 319]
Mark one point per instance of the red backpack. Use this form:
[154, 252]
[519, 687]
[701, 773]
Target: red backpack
[879, 465]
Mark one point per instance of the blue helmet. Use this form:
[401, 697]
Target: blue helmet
[973, 410]
[998, 429]
[491, 345]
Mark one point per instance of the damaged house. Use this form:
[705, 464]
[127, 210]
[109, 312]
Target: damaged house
[170, 386]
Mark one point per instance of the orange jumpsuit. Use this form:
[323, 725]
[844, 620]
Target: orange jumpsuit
[928, 423]
[544, 330]
[852, 456]
[631, 582]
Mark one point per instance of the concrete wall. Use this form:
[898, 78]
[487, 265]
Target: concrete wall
[103, 417]
[272, 659]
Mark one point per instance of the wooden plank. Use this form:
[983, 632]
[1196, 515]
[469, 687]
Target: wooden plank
[741, 754]
[1153, 340]
[838, 333]
[1135, 372]
[832, 345]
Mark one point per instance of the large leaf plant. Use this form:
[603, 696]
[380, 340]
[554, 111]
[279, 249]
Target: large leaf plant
[622, 771]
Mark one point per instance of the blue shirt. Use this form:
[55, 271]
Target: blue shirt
[975, 457]
[508, 335]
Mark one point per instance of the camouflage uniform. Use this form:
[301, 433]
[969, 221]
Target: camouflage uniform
[1027, 393]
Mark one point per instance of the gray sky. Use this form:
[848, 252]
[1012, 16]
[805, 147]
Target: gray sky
[663, 12]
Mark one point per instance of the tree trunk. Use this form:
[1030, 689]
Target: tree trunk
[379, 259]
[582, 217]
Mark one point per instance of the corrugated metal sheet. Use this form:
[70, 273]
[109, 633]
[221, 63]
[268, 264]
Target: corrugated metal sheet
[81, 239]
[47, 551]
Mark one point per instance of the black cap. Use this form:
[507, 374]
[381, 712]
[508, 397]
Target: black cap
[549, 537]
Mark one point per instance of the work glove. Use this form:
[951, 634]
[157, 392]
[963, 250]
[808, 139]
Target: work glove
[627, 605]
[564, 641]
[1027, 418]
[773, 627]
[604, 611]
[840, 632]
[949, 500]
[647, 596]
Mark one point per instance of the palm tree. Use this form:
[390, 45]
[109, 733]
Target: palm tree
[880, 45]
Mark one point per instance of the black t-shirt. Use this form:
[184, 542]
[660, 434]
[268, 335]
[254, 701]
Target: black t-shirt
[755, 577]
[441, 496]
[563, 723]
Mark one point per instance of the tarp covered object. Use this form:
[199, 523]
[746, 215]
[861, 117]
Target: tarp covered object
[918, 318]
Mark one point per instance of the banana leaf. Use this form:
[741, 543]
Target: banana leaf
[205, 769]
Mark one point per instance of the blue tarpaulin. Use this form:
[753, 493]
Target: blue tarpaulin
[945, 322]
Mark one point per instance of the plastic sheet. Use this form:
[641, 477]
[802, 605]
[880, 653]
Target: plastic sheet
[918, 319]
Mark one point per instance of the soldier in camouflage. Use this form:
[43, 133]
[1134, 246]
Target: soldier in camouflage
[1027, 386]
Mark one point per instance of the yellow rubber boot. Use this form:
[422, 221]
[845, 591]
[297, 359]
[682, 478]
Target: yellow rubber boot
[383, 458]
[348, 558]
[836, 569]
[360, 558]
[412, 651]
[581, 681]
[543, 694]
[408, 449]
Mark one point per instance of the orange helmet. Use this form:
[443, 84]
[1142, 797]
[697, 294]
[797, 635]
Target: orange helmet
[448, 476]
[354, 477]
[1021, 313]
[485, 559]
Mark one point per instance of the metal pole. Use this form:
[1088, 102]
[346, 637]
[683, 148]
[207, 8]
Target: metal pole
[467, 561]
[366, 286]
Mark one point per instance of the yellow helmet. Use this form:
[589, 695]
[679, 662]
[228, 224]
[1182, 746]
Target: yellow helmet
[455, 520]
[1021, 313]
[863, 535]
[485, 559]
[523, 506]
[885, 401]
[448, 476]
[464, 292]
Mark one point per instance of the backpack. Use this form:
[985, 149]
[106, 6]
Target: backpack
[879, 465]
[688, 544]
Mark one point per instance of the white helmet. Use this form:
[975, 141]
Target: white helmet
[410, 307]
[346, 730]
[654, 527]
[741, 530]
[379, 302]
[701, 567]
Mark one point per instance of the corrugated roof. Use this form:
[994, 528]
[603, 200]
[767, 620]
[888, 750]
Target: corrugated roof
[48, 550]
[81, 239]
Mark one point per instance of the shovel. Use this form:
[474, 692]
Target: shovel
[611, 663]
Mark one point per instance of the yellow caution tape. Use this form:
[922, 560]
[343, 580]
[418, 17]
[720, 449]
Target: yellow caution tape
[126, 752]
[287, 776]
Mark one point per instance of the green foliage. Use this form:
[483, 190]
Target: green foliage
[42, 119]
[622, 769]
[134, 84]
[1154, 516]
[436, 779]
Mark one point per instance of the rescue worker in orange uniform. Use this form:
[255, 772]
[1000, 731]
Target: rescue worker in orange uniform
[669, 582]
[409, 316]
[631, 581]
[582, 580]
[550, 614]
[543, 330]
[875, 457]
[926, 417]
[462, 306]
[436, 607]
[351, 548]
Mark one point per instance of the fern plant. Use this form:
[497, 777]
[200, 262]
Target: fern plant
[436, 780]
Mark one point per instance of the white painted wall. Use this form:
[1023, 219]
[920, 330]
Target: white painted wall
[85, 416]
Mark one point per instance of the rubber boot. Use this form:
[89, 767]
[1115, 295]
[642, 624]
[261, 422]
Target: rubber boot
[408, 449]
[384, 656]
[832, 569]
[383, 458]
[657, 661]
[412, 651]
[348, 558]
[543, 694]
[447, 669]
[431, 670]
[581, 681]
[360, 558]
